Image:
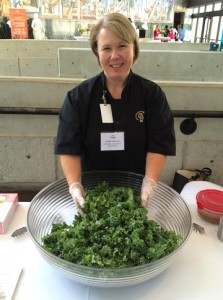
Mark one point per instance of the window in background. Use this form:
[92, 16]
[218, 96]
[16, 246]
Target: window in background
[217, 6]
[195, 10]
[209, 7]
[202, 9]
[188, 14]
[193, 30]
[206, 29]
[199, 29]
[221, 29]
[214, 29]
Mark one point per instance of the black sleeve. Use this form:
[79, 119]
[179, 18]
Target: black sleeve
[70, 132]
[160, 125]
[73, 118]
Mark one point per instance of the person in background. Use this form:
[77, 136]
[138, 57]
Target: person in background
[156, 32]
[166, 33]
[176, 37]
[171, 33]
[116, 120]
[30, 30]
[5, 30]
[180, 32]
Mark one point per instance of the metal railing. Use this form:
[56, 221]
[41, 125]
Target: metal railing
[55, 111]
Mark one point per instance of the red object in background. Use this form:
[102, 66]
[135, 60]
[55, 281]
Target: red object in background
[210, 204]
[18, 20]
[210, 199]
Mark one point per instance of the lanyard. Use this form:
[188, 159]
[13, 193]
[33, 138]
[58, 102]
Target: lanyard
[103, 98]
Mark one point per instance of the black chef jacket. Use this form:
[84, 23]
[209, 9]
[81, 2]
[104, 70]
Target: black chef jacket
[142, 113]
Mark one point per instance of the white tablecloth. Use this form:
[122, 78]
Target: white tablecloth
[196, 274]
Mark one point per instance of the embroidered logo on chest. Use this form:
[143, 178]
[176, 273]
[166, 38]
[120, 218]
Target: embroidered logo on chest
[140, 116]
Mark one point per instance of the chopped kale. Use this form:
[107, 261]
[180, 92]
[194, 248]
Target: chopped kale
[113, 233]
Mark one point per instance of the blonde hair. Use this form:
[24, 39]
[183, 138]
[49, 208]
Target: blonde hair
[119, 25]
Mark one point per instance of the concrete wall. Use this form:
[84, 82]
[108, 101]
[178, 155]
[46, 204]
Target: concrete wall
[29, 80]
[46, 48]
[40, 58]
[153, 64]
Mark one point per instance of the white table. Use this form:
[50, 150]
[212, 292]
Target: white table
[196, 274]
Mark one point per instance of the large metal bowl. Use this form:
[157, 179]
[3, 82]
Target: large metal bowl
[53, 204]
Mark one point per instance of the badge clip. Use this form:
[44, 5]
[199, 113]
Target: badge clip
[103, 98]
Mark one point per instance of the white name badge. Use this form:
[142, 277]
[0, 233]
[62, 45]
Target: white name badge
[106, 113]
[112, 141]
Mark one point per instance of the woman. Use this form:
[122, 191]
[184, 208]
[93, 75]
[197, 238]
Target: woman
[116, 120]
[156, 32]
[166, 33]
[171, 33]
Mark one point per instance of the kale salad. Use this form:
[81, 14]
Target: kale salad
[113, 233]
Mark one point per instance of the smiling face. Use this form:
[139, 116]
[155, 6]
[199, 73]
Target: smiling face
[115, 55]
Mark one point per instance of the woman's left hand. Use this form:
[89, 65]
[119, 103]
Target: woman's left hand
[147, 190]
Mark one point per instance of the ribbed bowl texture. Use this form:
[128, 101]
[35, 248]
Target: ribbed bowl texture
[53, 204]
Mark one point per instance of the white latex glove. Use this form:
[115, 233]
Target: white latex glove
[148, 185]
[77, 192]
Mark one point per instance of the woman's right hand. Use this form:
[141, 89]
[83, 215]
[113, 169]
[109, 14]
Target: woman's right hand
[77, 192]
